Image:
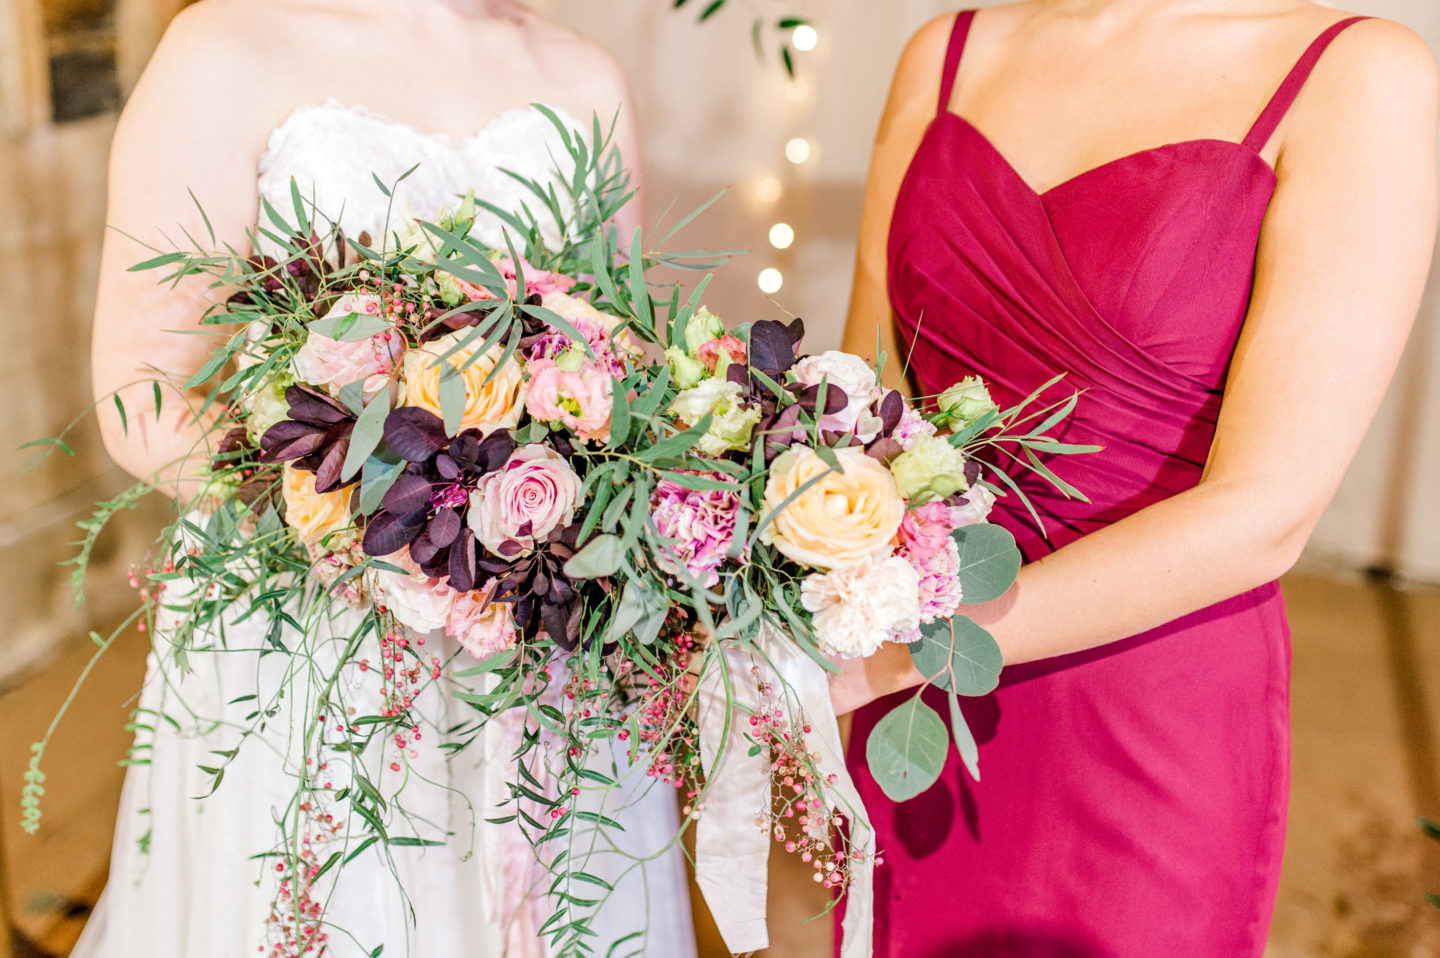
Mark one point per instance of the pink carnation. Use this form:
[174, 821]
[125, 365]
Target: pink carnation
[704, 523]
[939, 582]
[925, 529]
[912, 427]
[709, 354]
[482, 626]
[580, 400]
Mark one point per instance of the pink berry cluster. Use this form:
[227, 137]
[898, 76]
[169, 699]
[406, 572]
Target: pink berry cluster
[295, 926]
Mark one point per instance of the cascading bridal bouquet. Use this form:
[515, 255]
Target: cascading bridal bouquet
[593, 489]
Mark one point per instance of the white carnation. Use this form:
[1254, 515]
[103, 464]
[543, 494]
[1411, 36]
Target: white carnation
[861, 607]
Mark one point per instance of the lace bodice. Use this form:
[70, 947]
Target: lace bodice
[335, 152]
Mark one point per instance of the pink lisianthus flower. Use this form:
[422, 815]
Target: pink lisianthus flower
[581, 400]
[703, 522]
[533, 494]
[599, 328]
[926, 529]
[333, 363]
[939, 577]
[974, 507]
[709, 353]
[482, 626]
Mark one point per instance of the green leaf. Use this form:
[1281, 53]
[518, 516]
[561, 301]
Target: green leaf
[959, 656]
[452, 398]
[619, 417]
[349, 327]
[989, 562]
[600, 557]
[157, 262]
[365, 438]
[906, 750]
[376, 478]
[678, 444]
[964, 739]
[124, 420]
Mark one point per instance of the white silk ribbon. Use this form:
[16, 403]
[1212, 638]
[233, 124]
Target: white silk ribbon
[731, 851]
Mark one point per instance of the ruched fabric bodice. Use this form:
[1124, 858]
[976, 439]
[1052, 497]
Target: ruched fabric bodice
[1133, 797]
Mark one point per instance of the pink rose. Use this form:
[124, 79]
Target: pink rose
[482, 626]
[580, 400]
[533, 494]
[323, 361]
[853, 375]
[912, 427]
[926, 529]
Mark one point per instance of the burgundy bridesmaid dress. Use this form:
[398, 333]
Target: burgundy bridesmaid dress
[1133, 798]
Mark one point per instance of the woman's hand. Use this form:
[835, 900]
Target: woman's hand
[861, 681]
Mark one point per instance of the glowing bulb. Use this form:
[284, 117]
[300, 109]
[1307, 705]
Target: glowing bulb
[804, 38]
[769, 190]
[797, 151]
[781, 236]
[770, 280]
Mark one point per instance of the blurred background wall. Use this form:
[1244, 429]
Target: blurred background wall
[790, 154]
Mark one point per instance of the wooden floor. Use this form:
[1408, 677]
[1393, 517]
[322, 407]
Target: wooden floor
[1365, 694]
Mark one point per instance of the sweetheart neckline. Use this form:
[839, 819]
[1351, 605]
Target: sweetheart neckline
[363, 112]
[1085, 174]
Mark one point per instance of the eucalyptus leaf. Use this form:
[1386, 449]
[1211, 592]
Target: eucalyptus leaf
[989, 562]
[600, 557]
[350, 327]
[906, 750]
[365, 437]
[959, 656]
[452, 398]
[964, 738]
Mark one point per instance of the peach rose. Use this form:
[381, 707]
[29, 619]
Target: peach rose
[488, 407]
[314, 515]
[842, 519]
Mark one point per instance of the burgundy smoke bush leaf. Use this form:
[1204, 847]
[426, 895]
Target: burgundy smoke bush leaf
[328, 474]
[288, 439]
[464, 562]
[388, 532]
[409, 496]
[414, 434]
[884, 449]
[444, 527]
[835, 399]
[892, 408]
[309, 405]
[446, 467]
[774, 346]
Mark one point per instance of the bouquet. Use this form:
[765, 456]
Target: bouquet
[597, 491]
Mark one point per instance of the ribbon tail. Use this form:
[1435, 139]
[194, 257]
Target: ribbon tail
[732, 854]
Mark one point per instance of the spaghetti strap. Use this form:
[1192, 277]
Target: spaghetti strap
[958, 33]
[1284, 97]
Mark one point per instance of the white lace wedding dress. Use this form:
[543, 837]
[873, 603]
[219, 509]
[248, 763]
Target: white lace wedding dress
[185, 881]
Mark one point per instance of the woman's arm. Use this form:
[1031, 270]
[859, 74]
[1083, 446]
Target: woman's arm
[1343, 258]
[183, 129]
[870, 327]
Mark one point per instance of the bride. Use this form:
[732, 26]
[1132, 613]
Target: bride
[242, 97]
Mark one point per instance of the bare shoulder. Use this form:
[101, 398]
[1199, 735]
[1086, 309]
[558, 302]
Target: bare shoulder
[1379, 57]
[575, 59]
[1376, 76]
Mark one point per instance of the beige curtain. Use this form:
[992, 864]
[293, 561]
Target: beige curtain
[714, 117]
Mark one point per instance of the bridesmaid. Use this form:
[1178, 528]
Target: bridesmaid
[1217, 217]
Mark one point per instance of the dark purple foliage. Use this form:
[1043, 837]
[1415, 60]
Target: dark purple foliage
[774, 346]
[544, 600]
[315, 438]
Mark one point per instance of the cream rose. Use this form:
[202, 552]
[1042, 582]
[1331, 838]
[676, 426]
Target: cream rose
[842, 519]
[488, 407]
[314, 515]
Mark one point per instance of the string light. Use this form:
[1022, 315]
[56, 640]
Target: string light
[804, 38]
[797, 151]
[770, 281]
[769, 190]
[781, 235]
